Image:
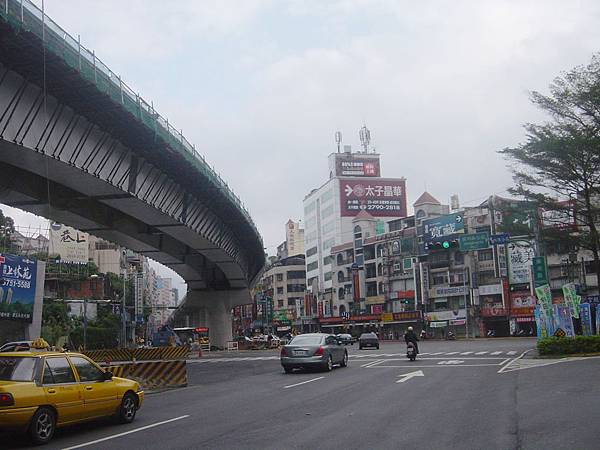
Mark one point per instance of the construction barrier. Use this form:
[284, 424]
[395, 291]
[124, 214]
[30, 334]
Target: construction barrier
[138, 354]
[153, 374]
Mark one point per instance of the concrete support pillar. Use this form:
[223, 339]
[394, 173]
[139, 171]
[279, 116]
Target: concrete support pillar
[212, 309]
[219, 323]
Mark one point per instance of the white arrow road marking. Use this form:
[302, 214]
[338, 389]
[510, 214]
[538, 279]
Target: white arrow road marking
[495, 353]
[135, 430]
[408, 376]
[452, 361]
[481, 353]
[511, 353]
[304, 382]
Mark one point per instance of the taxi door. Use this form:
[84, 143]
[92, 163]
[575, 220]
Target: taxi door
[62, 390]
[100, 396]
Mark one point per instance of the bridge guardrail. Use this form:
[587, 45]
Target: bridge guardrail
[24, 14]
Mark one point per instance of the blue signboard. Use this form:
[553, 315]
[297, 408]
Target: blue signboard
[439, 228]
[585, 313]
[17, 287]
[597, 319]
[499, 239]
[563, 319]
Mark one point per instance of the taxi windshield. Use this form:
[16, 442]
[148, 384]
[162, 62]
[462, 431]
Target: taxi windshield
[15, 368]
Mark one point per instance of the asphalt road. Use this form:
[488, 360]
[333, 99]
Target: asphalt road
[461, 401]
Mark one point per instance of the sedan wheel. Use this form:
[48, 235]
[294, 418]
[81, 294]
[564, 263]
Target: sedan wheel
[329, 365]
[344, 362]
[128, 408]
[42, 425]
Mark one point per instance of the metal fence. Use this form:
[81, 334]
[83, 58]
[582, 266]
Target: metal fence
[25, 15]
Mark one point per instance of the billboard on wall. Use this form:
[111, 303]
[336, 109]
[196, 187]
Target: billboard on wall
[17, 287]
[520, 259]
[72, 245]
[563, 217]
[382, 197]
[353, 166]
[439, 228]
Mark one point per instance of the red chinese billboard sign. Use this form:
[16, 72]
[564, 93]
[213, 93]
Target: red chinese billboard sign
[383, 197]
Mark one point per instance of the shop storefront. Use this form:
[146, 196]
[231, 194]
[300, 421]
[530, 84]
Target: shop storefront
[394, 325]
[494, 317]
[354, 325]
[440, 322]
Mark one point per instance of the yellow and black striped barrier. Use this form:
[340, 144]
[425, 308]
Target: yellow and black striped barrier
[139, 354]
[153, 374]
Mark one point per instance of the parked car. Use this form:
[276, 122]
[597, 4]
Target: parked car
[43, 390]
[368, 340]
[313, 350]
[346, 339]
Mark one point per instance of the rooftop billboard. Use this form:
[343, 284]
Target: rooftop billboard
[381, 197]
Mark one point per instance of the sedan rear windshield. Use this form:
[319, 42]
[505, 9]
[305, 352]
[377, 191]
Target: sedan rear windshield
[307, 340]
[16, 368]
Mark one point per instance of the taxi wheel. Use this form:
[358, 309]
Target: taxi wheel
[128, 408]
[42, 425]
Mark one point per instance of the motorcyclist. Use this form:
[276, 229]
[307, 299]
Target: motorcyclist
[410, 336]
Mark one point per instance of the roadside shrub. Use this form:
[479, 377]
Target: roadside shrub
[568, 345]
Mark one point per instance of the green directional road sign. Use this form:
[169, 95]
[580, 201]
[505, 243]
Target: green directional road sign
[539, 271]
[476, 241]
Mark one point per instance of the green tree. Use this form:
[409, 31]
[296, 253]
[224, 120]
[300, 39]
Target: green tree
[558, 165]
[7, 228]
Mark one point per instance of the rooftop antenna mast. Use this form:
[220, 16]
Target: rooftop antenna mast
[338, 139]
[365, 138]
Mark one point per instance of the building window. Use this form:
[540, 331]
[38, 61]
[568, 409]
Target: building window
[340, 259]
[328, 244]
[341, 293]
[280, 290]
[372, 289]
[327, 196]
[310, 207]
[291, 302]
[485, 255]
[327, 276]
[280, 303]
[327, 212]
[295, 287]
[328, 227]
[312, 266]
[341, 277]
[370, 271]
[311, 251]
[296, 274]
[279, 277]
[327, 260]
[379, 251]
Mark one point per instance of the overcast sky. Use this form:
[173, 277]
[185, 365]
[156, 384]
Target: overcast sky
[261, 86]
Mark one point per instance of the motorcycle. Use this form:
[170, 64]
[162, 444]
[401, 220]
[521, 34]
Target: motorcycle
[423, 335]
[450, 336]
[411, 351]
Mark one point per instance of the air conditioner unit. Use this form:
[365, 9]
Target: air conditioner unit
[397, 267]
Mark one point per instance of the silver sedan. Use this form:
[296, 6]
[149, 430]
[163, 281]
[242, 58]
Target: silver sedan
[313, 350]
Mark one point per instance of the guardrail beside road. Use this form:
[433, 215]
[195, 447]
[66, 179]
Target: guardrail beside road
[152, 374]
[138, 354]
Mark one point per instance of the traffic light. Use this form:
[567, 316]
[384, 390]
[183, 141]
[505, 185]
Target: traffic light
[406, 301]
[442, 245]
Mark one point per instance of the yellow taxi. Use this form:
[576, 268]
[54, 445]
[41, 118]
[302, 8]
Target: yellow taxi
[41, 390]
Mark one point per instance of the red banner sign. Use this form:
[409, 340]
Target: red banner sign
[380, 197]
[405, 294]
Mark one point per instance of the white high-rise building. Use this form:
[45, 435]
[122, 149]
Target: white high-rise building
[355, 184]
[294, 238]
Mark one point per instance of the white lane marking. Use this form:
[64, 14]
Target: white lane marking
[303, 382]
[408, 376]
[452, 353]
[452, 361]
[466, 353]
[495, 353]
[372, 363]
[481, 353]
[125, 433]
[436, 353]
[511, 353]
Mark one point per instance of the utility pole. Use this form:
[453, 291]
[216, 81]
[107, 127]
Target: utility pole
[123, 318]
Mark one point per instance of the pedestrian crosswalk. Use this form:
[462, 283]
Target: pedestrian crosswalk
[484, 353]
[366, 354]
